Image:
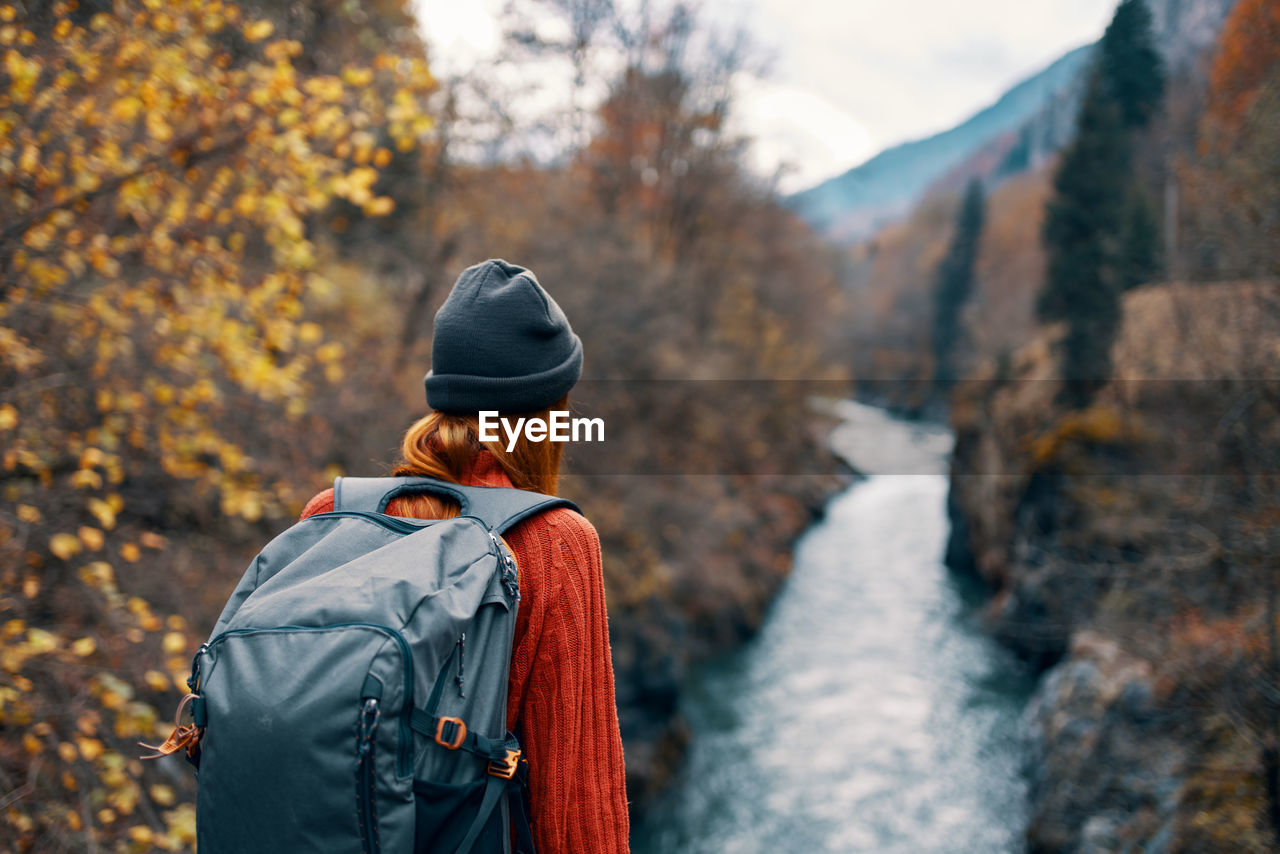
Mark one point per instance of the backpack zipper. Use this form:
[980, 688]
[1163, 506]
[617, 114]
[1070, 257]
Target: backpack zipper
[404, 759]
[367, 812]
[510, 579]
[392, 523]
[462, 656]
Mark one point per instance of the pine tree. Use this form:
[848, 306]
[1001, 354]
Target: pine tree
[955, 282]
[1097, 245]
[1083, 215]
[1129, 64]
[1140, 251]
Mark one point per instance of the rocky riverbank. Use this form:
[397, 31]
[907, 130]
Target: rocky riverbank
[1128, 549]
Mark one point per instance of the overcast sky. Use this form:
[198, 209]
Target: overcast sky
[848, 78]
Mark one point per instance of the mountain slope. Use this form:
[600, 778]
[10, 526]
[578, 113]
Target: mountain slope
[1030, 122]
[854, 204]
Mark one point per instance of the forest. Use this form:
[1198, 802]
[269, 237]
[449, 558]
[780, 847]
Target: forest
[1114, 481]
[224, 230]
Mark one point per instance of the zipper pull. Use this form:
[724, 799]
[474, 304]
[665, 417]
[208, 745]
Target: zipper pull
[193, 681]
[368, 727]
[462, 653]
[510, 580]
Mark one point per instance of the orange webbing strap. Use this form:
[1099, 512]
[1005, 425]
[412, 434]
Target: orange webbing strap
[187, 735]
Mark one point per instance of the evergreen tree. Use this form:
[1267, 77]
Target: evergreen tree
[1097, 243]
[1129, 64]
[1140, 251]
[1083, 215]
[955, 282]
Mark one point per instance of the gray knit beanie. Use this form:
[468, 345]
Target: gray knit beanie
[502, 343]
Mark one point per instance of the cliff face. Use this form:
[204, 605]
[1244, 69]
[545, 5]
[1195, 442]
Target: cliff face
[1127, 554]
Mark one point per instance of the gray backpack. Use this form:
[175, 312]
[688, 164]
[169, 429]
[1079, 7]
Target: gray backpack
[352, 696]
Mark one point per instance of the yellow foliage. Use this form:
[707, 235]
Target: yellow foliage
[98, 575]
[86, 479]
[357, 76]
[84, 647]
[156, 196]
[41, 641]
[64, 545]
[92, 538]
[1097, 425]
[90, 748]
[105, 513]
[181, 824]
[381, 206]
[259, 30]
[152, 540]
[157, 681]
[175, 643]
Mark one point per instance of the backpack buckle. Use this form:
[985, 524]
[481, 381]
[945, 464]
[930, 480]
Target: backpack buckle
[183, 735]
[459, 733]
[505, 767]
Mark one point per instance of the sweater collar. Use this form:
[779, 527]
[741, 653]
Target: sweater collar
[486, 471]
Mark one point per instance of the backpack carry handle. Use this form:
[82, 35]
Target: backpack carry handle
[498, 507]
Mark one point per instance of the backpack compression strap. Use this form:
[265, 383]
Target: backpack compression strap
[498, 507]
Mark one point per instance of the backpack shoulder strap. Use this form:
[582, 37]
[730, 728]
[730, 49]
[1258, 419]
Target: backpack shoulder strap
[498, 507]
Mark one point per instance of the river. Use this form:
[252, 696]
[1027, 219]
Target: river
[870, 714]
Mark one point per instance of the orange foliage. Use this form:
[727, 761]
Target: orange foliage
[1097, 425]
[1218, 638]
[1248, 56]
[656, 147]
[1001, 316]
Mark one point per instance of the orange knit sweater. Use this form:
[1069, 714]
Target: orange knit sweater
[560, 700]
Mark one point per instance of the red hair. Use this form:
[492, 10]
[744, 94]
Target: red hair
[445, 446]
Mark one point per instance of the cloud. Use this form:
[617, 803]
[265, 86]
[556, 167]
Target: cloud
[848, 77]
[909, 68]
[797, 131]
[458, 33]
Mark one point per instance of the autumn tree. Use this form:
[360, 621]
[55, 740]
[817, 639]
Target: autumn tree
[1093, 246]
[251, 349]
[1234, 231]
[703, 301]
[1245, 62]
[1234, 224]
[161, 165]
